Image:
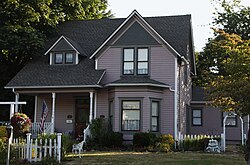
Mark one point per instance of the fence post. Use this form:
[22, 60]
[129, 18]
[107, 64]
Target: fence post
[28, 146]
[59, 143]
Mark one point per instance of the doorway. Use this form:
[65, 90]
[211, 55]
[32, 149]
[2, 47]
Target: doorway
[81, 115]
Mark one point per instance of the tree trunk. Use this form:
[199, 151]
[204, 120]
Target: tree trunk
[247, 154]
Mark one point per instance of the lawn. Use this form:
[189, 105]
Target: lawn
[147, 158]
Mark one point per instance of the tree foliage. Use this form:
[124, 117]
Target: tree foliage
[232, 17]
[229, 83]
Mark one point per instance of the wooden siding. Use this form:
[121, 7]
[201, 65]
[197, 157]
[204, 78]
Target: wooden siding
[62, 45]
[212, 123]
[162, 65]
[111, 62]
[102, 105]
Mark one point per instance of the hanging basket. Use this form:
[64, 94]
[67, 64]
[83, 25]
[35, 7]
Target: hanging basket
[21, 124]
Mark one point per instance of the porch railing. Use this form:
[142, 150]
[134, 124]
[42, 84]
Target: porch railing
[35, 127]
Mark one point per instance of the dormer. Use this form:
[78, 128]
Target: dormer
[64, 51]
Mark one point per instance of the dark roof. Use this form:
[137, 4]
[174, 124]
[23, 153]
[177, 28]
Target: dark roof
[87, 36]
[38, 73]
[198, 94]
[90, 34]
[137, 80]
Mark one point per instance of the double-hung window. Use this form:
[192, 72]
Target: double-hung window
[196, 117]
[68, 58]
[155, 116]
[58, 58]
[135, 61]
[131, 115]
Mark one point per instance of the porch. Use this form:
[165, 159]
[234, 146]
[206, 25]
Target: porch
[69, 112]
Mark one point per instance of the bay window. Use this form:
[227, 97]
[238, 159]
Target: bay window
[131, 115]
[155, 116]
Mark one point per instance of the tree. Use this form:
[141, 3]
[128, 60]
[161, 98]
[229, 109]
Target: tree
[232, 17]
[25, 26]
[229, 84]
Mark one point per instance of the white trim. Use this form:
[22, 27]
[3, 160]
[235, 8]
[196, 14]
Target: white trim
[35, 109]
[69, 86]
[96, 64]
[137, 84]
[53, 112]
[16, 100]
[50, 58]
[175, 100]
[101, 77]
[6, 103]
[62, 37]
[127, 19]
[77, 58]
[91, 107]
[106, 41]
[95, 104]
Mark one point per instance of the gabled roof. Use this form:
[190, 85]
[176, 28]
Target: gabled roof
[39, 74]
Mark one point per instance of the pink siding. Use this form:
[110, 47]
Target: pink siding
[162, 65]
[102, 105]
[111, 62]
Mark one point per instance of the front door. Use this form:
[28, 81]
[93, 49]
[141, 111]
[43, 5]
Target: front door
[81, 116]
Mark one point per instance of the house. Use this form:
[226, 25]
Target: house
[134, 71]
[205, 119]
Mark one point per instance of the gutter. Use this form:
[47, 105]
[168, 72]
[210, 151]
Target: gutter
[69, 86]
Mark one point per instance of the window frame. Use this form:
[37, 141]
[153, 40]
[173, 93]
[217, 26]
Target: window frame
[157, 117]
[64, 54]
[139, 113]
[194, 117]
[135, 61]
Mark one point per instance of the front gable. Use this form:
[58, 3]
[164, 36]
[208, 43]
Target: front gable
[136, 35]
[63, 51]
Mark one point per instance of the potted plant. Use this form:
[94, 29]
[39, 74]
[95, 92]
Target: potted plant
[21, 124]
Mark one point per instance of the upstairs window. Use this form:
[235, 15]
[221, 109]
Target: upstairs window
[64, 58]
[58, 58]
[135, 61]
[142, 61]
[69, 58]
[128, 61]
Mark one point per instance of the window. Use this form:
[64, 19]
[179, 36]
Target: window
[111, 114]
[64, 58]
[155, 116]
[128, 61]
[138, 60]
[130, 115]
[231, 119]
[142, 61]
[58, 58]
[197, 117]
[68, 58]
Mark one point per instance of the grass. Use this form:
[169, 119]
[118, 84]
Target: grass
[142, 158]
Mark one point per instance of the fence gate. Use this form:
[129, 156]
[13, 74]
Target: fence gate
[36, 149]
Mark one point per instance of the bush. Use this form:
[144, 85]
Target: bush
[165, 143]
[144, 139]
[103, 136]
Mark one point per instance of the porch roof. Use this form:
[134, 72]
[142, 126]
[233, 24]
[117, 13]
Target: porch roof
[38, 74]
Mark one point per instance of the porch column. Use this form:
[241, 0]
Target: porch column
[16, 100]
[91, 107]
[35, 109]
[53, 112]
[12, 107]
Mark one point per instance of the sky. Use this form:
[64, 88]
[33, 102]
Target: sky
[200, 10]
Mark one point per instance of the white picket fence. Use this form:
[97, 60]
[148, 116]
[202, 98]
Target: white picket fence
[35, 150]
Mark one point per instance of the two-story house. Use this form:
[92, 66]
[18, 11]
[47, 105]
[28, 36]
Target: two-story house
[134, 71]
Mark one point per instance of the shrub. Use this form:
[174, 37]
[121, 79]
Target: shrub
[165, 143]
[144, 139]
[102, 135]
